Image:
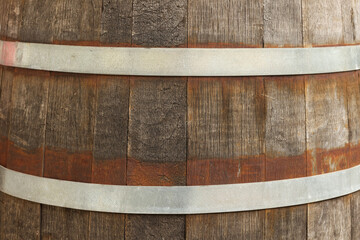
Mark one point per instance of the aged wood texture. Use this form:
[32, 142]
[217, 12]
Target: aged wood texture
[355, 14]
[282, 23]
[231, 23]
[355, 216]
[226, 124]
[77, 21]
[5, 104]
[285, 128]
[10, 19]
[156, 148]
[116, 22]
[353, 92]
[327, 136]
[159, 23]
[27, 123]
[286, 223]
[106, 226]
[69, 145]
[247, 225]
[111, 126]
[19, 219]
[327, 133]
[327, 22]
[330, 219]
[37, 21]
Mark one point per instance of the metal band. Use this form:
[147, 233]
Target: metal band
[180, 61]
[180, 199]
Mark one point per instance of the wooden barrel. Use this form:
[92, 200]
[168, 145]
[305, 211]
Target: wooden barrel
[180, 131]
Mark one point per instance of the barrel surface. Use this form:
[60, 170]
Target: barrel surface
[178, 131]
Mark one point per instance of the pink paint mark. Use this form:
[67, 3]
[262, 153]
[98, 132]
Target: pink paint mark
[8, 53]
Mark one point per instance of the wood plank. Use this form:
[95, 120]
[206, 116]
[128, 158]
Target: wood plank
[19, 219]
[156, 149]
[77, 21]
[3, 18]
[282, 23]
[226, 123]
[110, 148]
[353, 93]
[327, 150]
[231, 23]
[246, 225]
[327, 22]
[286, 223]
[116, 22]
[38, 18]
[111, 126]
[159, 23]
[355, 215]
[5, 104]
[27, 123]
[326, 123]
[356, 20]
[10, 19]
[68, 152]
[285, 128]
[330, 219]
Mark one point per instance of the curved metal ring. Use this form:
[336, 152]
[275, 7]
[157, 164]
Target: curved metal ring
[180, 199]
[180, 61]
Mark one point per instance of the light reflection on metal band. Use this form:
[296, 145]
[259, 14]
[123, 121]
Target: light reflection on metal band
[180, 61]
[180, 199]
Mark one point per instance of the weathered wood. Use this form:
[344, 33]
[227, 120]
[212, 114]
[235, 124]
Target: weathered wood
[38, 18]
[247, 225]
[159, 23]
[10, 18]
[355, 14]
[19, 219]
[327, 22]
[5, 104]
[327, 133]
[69, 145]
[155, 227]
[116, 22]
[156, 148]
[353, 99]
[285, 128]
[106, 226]
[225, 23]
[226, 124]
[111, 126]
[282, 23]
[3, 18]
[64, 223]
[286, 223]
[27, 123]
[330, 219]
[355, 216]
[77, 21]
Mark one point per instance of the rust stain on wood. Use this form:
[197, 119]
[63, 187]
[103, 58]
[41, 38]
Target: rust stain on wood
[109, 171]
[3, 150]
[141, 173]
[285, 167]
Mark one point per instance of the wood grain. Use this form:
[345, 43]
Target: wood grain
[5, 105]
[355, 215]
[116, 22]
[27, 123]
[226, 123]
[353, 99]
[106, 226]
[19, 219]
[247, 225]
[156, 149]
[68, 153]
[356, 20]
[327, 132]
[283, 23]
[330, 219]
[225, 23]
[10, 19]
[77, 21]
[159, 23]
[286, 223]
[327, 22]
